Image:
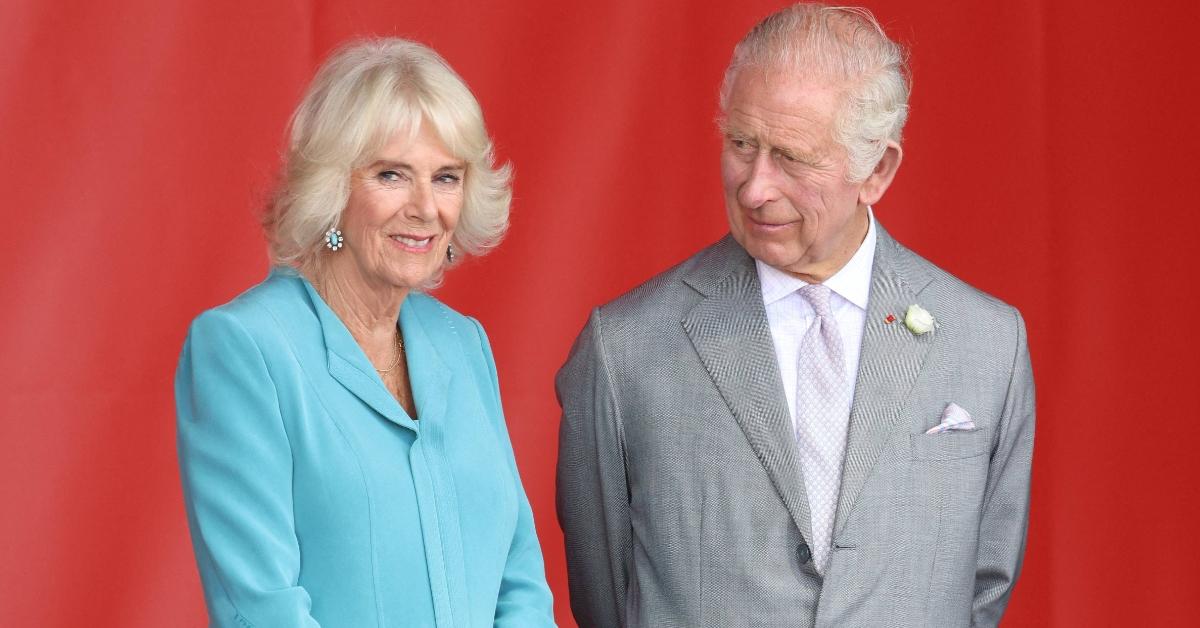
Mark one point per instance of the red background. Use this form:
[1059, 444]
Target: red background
[1049, 161]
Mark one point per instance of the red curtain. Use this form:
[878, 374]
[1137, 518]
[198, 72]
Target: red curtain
[1048, 161]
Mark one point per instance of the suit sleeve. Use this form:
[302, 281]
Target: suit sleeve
[592, 492]
[1006, 500]
[525, 598]
[236, 467]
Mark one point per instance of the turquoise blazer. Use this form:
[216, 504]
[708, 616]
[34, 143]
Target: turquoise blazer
[314, 500]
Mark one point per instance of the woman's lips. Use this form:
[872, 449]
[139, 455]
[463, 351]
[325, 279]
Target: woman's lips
[414, 243]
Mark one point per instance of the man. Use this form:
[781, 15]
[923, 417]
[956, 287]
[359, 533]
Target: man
[804, 424]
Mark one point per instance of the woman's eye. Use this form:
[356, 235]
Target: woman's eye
[391, 176]
[447, 178]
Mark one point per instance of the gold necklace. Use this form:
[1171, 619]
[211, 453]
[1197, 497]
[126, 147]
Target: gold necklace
[396, 362]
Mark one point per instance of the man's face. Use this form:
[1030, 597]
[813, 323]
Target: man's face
[786, 193]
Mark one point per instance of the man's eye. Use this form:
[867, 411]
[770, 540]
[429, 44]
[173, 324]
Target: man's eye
[739, 143]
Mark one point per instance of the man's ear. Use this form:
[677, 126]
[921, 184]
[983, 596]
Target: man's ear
[873, 188]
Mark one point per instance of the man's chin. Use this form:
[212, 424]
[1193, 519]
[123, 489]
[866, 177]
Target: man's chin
[771, 254]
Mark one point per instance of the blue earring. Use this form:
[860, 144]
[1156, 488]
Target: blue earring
[333, 239]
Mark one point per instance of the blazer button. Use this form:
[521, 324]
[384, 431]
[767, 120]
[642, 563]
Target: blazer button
[804, 553]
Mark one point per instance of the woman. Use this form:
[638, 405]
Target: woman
[344, 456]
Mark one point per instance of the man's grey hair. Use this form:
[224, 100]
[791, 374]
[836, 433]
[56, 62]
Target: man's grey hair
[847, 47]
[363, 95]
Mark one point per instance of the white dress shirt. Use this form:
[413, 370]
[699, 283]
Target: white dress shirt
[789, 314]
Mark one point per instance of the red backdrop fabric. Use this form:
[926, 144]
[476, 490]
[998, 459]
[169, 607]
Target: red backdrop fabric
[1046, 161]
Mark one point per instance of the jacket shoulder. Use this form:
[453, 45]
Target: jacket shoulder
[442, 321]
[264, 307]
[431, 310]
[971, 317]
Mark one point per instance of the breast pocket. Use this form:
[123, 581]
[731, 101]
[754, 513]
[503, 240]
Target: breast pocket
[951, 445]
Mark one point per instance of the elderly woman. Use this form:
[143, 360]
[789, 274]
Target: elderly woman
[344, 456]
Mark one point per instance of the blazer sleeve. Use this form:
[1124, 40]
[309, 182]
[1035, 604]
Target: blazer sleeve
[524, 598]
[236, 467]
[1005, 516]
[592, 491]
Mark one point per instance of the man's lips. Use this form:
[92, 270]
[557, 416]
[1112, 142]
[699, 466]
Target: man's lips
[767, 225]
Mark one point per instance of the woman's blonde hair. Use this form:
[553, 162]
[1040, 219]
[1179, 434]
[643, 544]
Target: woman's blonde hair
[363, 95]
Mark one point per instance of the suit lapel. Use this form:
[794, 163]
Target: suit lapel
[348, 365]
[730, 332]
[891, 359]
[428, 373]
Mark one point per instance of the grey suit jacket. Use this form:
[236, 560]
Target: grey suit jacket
[680, 492]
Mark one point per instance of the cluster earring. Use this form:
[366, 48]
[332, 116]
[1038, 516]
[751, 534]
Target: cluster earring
[333, 239]
[450, 253]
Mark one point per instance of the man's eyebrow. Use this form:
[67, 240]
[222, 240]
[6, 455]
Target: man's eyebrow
[729, 130]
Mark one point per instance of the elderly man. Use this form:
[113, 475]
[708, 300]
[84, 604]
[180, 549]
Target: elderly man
[804, 424]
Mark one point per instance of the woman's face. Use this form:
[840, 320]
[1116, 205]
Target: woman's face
[402, 211]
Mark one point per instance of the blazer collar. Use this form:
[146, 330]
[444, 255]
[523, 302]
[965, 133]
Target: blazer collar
[888, 366]
[732, 337]
[429, 376]
[716, 264]
[431, 364]
[730, 333]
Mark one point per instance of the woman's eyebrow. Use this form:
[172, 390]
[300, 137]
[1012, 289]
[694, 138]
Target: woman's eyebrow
[390, 163]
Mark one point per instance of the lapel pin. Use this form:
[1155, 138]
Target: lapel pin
[889, 319]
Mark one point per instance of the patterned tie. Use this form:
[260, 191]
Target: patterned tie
[822, 418]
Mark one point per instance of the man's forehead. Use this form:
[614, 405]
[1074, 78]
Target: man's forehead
[782, 121]
[784, 92]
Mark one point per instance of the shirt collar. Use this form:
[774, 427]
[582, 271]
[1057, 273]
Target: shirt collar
[852, 281]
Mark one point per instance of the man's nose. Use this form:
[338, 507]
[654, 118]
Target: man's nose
[762, 182]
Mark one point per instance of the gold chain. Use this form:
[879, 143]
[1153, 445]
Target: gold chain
[399, 352]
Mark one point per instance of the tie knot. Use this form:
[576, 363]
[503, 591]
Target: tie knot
[817, 295]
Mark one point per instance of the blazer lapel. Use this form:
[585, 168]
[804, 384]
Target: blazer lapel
[730, 332]
[348, 365]
[891, 359]
[428, 373]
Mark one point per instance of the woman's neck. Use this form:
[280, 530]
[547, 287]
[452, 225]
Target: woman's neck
[369, 312]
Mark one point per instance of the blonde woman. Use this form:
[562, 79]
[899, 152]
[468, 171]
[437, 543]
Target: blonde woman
[343, 450]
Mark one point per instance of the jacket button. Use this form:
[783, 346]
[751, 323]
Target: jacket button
[804, 553]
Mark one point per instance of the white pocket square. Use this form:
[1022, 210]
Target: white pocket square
[954, 417]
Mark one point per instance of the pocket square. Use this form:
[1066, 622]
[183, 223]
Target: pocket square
[954, 417]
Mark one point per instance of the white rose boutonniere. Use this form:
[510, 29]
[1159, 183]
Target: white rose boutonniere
[918, 320]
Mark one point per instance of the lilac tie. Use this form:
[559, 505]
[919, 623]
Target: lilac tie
[822, 418]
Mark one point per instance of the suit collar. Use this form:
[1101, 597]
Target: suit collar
[852, 282]
[888, 366]
[729, 331]
[431, 369]
[716, 264]
[428, 374]
[731, 335]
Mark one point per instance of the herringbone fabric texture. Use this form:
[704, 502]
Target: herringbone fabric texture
[681, 492]
[823, 416]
